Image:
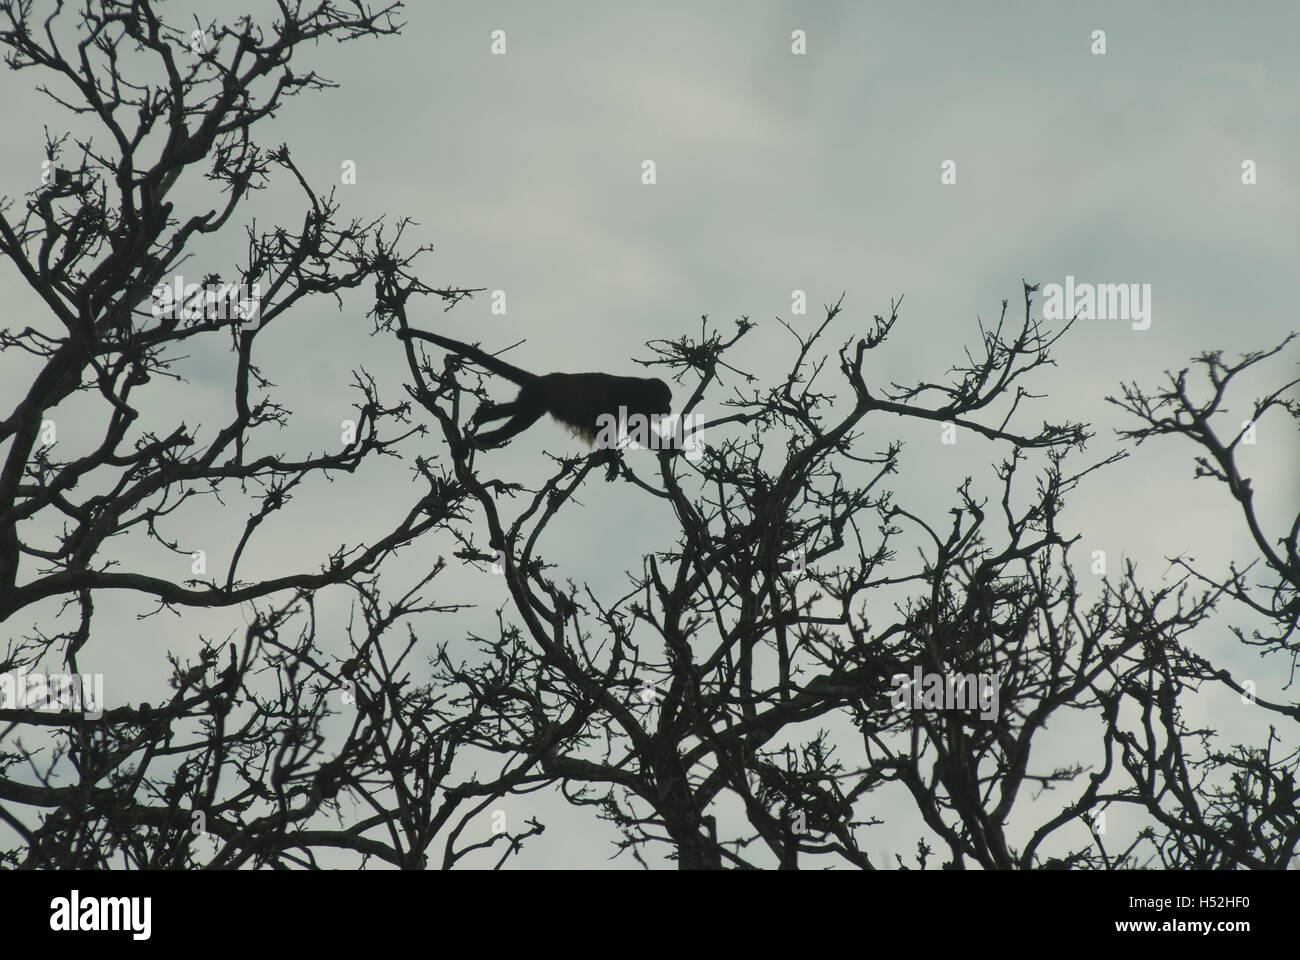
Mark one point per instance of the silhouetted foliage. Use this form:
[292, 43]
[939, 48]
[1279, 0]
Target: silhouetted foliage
[736, 705]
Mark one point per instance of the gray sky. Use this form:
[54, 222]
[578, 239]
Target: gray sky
[776, 173]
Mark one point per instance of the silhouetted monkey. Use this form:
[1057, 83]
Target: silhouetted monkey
[577, 400]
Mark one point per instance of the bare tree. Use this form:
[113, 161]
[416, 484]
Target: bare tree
[1216, 807]
[704, 684]
[810, 647]
[247, 770]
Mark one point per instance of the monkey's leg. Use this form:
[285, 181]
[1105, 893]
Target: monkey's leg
[521, 422]
[495, 411]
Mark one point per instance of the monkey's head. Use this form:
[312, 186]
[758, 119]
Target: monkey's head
[659, 398]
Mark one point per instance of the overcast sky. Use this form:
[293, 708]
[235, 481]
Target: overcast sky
[778, 172]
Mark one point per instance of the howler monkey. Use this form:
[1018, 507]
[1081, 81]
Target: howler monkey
[577, 400]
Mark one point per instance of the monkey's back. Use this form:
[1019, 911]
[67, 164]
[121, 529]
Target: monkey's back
[579, 400]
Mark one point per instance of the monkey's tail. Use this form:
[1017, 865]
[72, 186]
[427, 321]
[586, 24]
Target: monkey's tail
[494, 364]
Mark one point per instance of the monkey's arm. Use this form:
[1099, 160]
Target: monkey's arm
[496, 411]
[520, 422]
